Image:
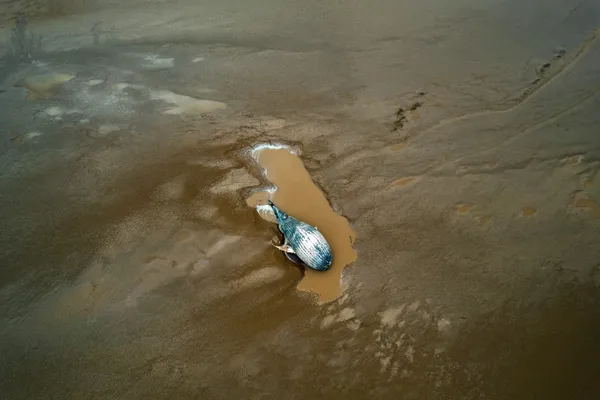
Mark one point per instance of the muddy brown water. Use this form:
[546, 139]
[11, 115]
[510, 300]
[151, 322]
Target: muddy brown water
[297, 195]
[130, 266]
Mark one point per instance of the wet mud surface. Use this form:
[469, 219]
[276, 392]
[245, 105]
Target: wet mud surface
[458, 145]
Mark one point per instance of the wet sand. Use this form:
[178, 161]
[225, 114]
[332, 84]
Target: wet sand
[457, 142]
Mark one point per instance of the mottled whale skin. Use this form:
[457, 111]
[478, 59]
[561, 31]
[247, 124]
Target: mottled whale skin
[305, 240]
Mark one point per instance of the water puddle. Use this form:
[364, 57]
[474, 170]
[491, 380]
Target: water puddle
[297, 195]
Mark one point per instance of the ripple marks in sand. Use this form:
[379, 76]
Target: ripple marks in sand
[402, 182]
